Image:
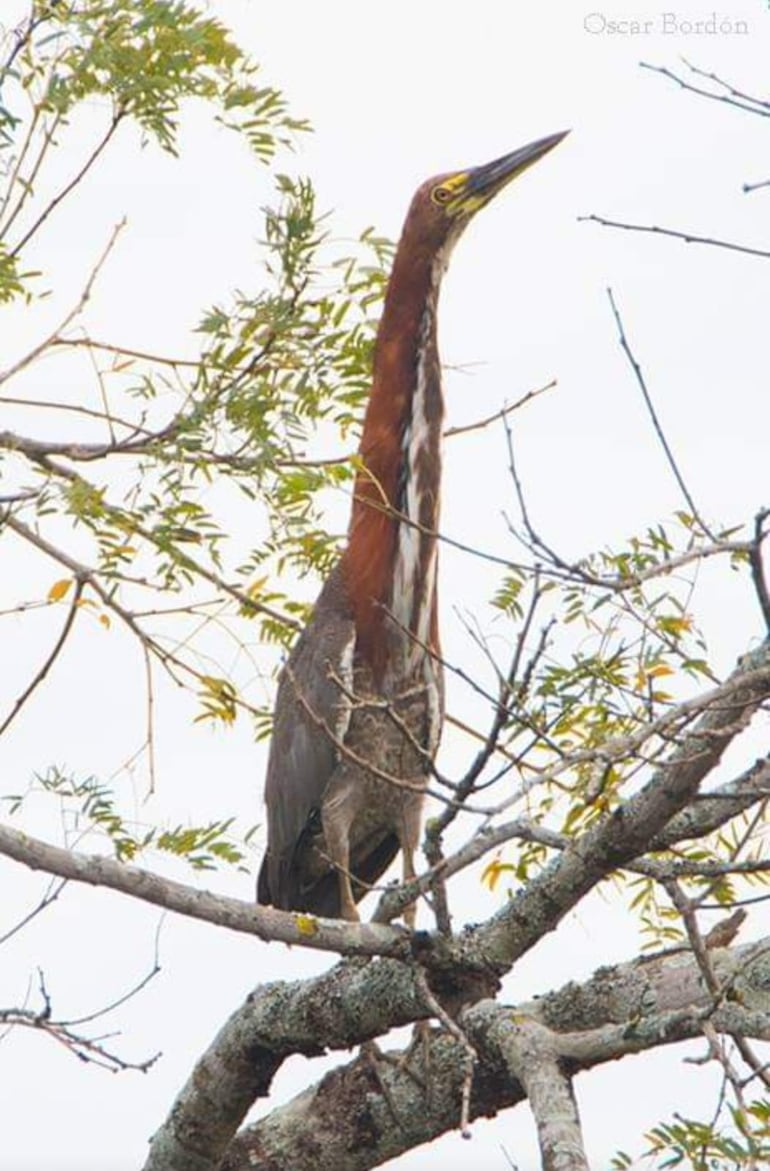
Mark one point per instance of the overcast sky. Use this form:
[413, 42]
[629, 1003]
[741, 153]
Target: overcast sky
[396, 93]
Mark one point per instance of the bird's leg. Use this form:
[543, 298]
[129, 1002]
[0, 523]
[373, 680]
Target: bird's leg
[347, 902]
[409, 836]
[336, 829]
[409, 872]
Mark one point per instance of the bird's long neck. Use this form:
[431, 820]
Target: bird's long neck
[390, 561]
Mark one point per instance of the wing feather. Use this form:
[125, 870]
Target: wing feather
[311, 703]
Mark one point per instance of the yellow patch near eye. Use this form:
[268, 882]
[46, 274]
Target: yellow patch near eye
[472, 203]
[447, 191]
[455, 181]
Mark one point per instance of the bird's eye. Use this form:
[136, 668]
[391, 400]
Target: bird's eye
[442, 194]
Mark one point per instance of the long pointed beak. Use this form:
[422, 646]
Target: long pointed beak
[487, 180]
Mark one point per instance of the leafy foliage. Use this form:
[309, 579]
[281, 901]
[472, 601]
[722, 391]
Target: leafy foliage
[145, 60]
[706, 1146]
[143, 523]
[91, 806]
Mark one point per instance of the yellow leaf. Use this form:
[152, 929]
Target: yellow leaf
[659, 671]
[492, 872]
[306, 924]
[256, 587]
[60, 589]
[105, 621]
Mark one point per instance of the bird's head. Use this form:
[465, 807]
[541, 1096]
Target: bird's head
[445, 204]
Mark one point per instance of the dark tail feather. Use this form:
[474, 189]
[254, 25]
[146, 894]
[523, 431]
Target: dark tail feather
[323, 897]
[263, 885]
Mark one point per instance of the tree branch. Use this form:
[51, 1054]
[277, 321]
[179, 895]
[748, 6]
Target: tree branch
[50, 658]
[334, 935]
[687, 237]
[531, 1055]
[626, 832]
[654, 417]
[349, 1005]
[347, 1123]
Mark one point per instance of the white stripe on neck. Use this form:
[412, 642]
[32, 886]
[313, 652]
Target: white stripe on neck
[406, 578]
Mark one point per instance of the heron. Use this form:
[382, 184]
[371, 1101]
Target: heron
[359, 706]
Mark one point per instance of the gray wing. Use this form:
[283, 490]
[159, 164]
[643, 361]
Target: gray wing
[303, 755]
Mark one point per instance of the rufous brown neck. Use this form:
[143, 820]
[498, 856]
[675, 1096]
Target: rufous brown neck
[390, 561]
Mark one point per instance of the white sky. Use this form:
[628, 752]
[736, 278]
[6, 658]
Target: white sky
[396, 94]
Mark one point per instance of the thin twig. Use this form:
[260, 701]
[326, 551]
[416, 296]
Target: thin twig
[70, 316]
[52, 893]
[687, 237]
[50, 659]
[69, 187]
[150, 743]
[654, 417]
[733, 97]
[126, 352]
[757, 566]
[501, 414]
[749, 187]
[471, 1056]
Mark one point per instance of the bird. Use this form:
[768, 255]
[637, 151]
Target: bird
[360, 699]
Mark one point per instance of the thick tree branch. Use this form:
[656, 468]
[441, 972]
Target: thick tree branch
[349, 1005]
[627, 833]
[347, 1123]
[628, 830]
[715, 809]
[332, 935]
[532, 1057]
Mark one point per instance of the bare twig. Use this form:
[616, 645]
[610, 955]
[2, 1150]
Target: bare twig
[471, 1056]
[720, 936]
[687, 237]
[91, 1050]
[74, 408]
[150, 740]
[654, 417]
[133, 991]
[418, 785]
[731, 96]
[126, 352]
[70, 316]
[502, 715]
[757, 565]
[501, 414]
[748, 187]
[52, 893]
[115, 121]
[50, 659]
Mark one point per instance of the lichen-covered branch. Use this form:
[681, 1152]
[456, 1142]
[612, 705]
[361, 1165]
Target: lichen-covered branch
[347, 1123]
[531, 1054]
